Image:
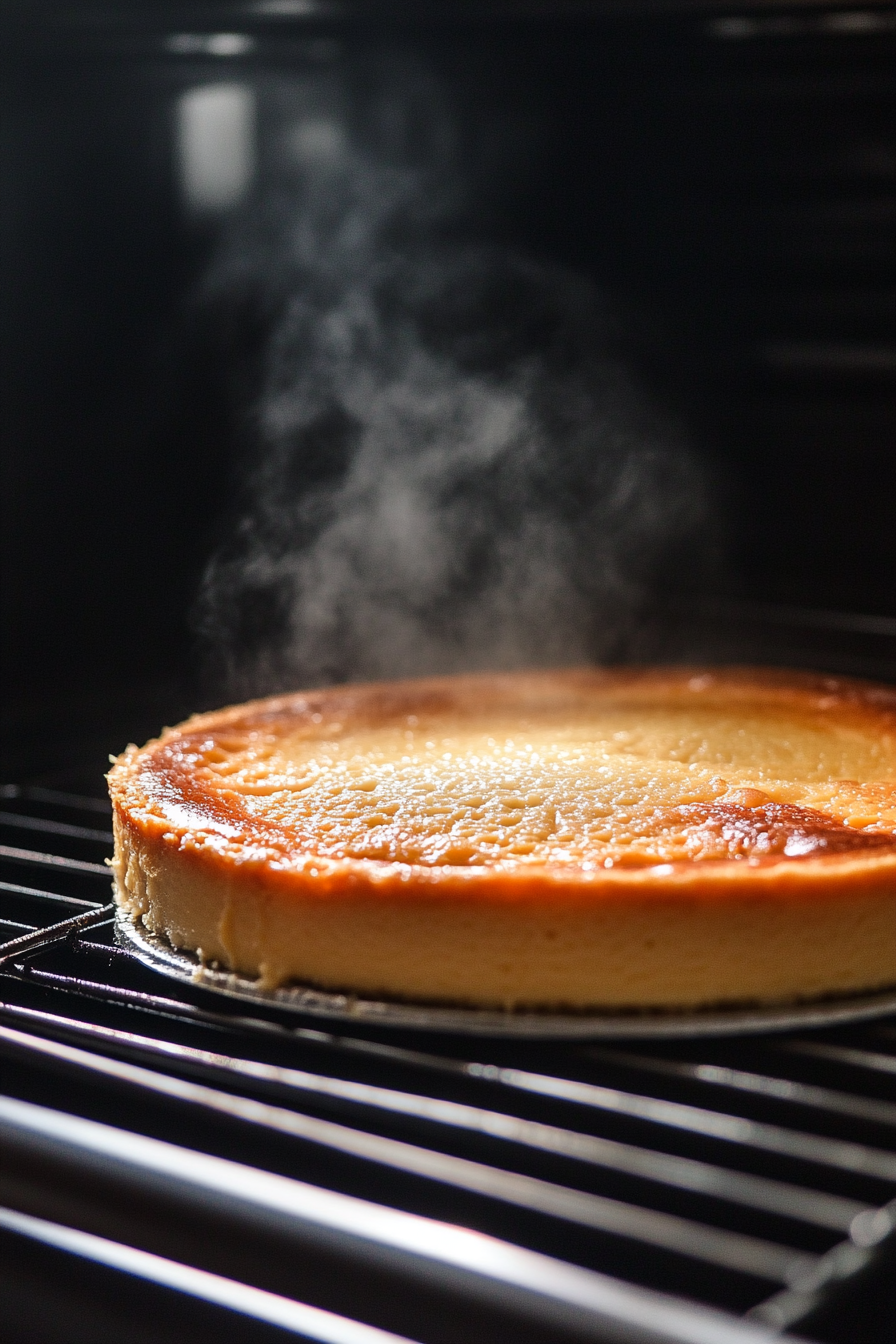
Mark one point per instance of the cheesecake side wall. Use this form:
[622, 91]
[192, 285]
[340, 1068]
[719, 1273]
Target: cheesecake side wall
[627, 950]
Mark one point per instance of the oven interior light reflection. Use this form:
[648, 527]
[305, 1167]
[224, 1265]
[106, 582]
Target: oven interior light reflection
[216, 145]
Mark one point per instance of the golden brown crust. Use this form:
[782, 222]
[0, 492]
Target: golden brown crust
[241, 800]
[168, 789]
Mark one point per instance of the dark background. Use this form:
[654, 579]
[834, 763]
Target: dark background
[728, 176]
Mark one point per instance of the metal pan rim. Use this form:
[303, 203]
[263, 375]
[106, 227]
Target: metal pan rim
[159, 955]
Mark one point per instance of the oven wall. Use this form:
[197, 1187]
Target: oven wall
[729, 181]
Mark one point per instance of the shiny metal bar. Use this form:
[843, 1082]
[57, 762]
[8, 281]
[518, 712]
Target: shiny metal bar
[42, 860]
[412, 1249]
[712, 1245]
[873, 1060]
[295, 1317]
[778, 1089]
[25, 823]
[838, 1153]
[37, 894]
[833, 1212]
[31, 942]
[81, 802]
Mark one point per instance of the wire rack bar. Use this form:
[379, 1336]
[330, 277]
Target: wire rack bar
[796, 1199]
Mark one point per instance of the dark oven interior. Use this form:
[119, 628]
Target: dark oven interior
[720, 182]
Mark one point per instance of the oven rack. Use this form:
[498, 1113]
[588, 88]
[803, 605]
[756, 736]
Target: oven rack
[437, 1188]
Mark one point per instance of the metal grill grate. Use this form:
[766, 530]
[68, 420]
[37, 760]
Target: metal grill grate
[751, 1181]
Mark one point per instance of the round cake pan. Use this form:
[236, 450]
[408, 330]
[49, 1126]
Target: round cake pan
[159, 955]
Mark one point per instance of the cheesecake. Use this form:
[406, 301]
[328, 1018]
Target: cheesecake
[664, 838]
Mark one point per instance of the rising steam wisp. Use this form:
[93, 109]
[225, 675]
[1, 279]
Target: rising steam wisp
[452, 471]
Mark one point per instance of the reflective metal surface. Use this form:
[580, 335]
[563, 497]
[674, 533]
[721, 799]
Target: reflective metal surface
[754, 1175]
[158, 954]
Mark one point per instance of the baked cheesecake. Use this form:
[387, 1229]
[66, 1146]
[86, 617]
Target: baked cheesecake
[638, 838]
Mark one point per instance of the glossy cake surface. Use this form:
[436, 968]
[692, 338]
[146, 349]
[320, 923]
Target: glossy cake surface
[583, 838]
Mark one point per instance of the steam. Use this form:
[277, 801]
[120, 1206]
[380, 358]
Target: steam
[452, 470]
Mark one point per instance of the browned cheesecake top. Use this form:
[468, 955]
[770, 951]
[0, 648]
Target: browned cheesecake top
[581, 776]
